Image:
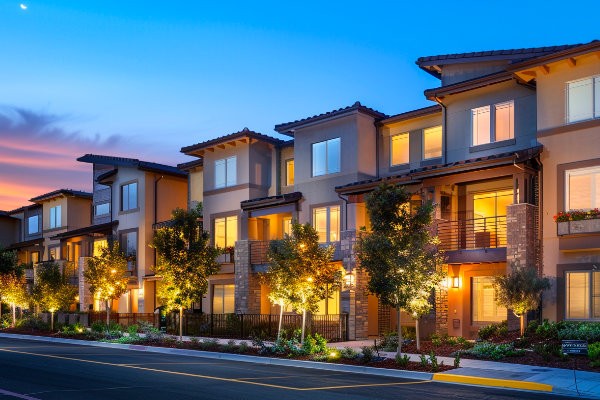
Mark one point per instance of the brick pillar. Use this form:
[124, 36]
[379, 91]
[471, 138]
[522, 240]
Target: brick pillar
[354, 301]
[247, 286]
[441, 307]
[522, 243]
[361, 305]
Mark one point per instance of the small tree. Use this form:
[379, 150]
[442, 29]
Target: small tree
[186, 260]
[52, 292]
[106, 275]
[399, 254]
[520, 290]
[300, 271]
[8, 265]
[13, 290]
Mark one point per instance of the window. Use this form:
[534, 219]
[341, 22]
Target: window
[583, 294]
[223, 299]
[330, 305]
[101, 209]
[226, 231]
[128, 245]
[583, 99]
[326, 221]
[33, 224]
[289, 172]
[53, 253]
[98, 245]
[35, 257]
[129, 196]
[225, 172]
[582, 188]
[55, 217]
[432, 142]
[484, 307]
[287, 226]
[326, 157]
[501, 120]
[400, 149]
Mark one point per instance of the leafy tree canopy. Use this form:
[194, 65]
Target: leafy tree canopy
[106, 273]
[52, 291]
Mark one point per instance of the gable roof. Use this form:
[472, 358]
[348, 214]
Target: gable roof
[470, 84]
[186, 166]
[420, 112]
[134, 163]
[431, 64]
[61, 192]
[243, 135]
[288, 128]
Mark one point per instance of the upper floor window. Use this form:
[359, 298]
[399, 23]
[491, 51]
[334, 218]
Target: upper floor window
[493, 123]
[289, 172]
[582, 188]
[326, 221]
[432, 142]
[33, 224]
[101, 209]
[226, 231]
[129, 197]
[326, 157]
[55, 217]
[583, 99]
[400, 149]
[129, 245]
[225, 172]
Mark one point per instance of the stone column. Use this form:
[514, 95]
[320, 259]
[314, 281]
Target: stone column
[247, 286]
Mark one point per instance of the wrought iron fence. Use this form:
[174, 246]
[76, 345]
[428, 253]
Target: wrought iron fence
[124, 319]
[475, 233]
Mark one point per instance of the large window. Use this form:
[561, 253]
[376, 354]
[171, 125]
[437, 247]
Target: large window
[400, 149]
[484, 307]
[432, 142]
[583, 99]
[101, 209]
[223, 299]
[129, 196]
[582, 188]
[225, 172]
[493, 123]
[330, 305]
[33, 224]
[128, 244]
[326, 221]
[326, 157]
[226, 231]
[289, 172]
[583, 295]
[55, 217]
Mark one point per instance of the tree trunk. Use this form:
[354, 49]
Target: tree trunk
[0, 310]
[280, 320]
[51, 321]
[399, 352]
[303, 326]
[107, 316]
[14, 315]
[417, 334]
[180, 324]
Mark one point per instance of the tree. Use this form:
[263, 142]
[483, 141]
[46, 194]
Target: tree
[52, 291]
[186, 260]
[106, 275]
[8, 265]
[520, 290]
[400, 254]
[13, 290]
[300, 271]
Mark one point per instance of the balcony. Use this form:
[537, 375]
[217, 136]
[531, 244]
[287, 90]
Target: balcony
[259, 249]
[475, 233]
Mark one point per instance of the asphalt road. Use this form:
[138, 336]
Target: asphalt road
[39, 370]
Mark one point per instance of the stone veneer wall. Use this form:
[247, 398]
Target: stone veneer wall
[522, 243]
[358, 307]
[247, 286]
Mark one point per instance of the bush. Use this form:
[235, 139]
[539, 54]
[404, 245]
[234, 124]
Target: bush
[32, 322]
[243, 347]
[424, 360]
[494, 331]
[435, 366]
[594, 354]
[546, 330]
[368, 354]
[457, 360]
[348, 353]
[402, 361]
[493, 351]
[133, 329]
[549, 350]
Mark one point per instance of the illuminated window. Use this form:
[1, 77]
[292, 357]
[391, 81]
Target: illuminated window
[289, 172]
[223, 299]
[432, 142]
[55, 217]
[330, 305]
[101, 209]
[488, 127]
[98, 245]
[287, 226]
[326, 221]
[129, 197]
[35, 257]
[226, 172]
[583, 99]
[33, 224]
[484, 307]
[129, 245]
[583, 295]
[582, 188]
[53, 253]
[226, 231]
[326, 157]
[400, 149]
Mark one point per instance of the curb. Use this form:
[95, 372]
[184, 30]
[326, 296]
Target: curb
[423, 376]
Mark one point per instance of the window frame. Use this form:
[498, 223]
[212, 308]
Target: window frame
[107, 203]
[492, 109]
[473, 303]
[590, 296]
[431, 128]
[595, 98]
[328, 230]
[37, 229]
[327, 170]
[288, 181]
[132, 257]
[229, 167]
[224, 285]
[225, 219]
[396, 136]
[122, 197]
[56, 219]
[567, 186]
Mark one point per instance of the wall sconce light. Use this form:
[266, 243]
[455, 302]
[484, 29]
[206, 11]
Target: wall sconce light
[349, 280]
[455, 282]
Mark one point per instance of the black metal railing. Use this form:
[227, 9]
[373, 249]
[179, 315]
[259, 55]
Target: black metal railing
[475, 233]
[124, 319]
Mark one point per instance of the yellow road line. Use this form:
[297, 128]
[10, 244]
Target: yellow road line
[507, 383]
[217, 378]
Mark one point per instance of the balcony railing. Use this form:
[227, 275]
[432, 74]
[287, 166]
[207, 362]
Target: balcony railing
[259, 249]
[475, 233]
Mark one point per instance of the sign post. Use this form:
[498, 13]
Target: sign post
[575, 347]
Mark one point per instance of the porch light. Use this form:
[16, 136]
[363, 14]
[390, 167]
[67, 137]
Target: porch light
[455, 282]
[349, 280]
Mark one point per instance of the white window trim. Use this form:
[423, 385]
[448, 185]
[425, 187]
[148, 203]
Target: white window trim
[225, 218]
[595, 80]
[579, 171]
[423, 143]
[492, 111]
[287, 175]
[312, 153]
[328, 219]
[56, 219]
[230, 174]
[395, 135]
[122, 197]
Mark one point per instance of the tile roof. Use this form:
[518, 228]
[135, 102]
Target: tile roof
[270, 201]
[463, 86]
[61, 192]
[186, 166]
[232, 136]
[132, 162]
[420, 112]
[571, 51]
[99, 228]
[288, 127]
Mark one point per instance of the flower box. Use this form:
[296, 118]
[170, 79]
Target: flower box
[578, 227]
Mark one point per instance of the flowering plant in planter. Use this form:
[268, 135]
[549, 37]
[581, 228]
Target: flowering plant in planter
[577, 215]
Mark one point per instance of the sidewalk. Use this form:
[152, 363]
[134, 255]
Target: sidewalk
[471, 372]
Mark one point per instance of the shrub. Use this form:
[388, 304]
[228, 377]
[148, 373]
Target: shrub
[348, 353]
[463, 343]
[243, 347]
[32, 322]
[494, 351]
[133, 329]
[549, 350]
[368, 353]
[402, 361]
[309, 345]
[424, 360]
[546, 330]
[434, 362]
[436, 339]
[494, 331]
[457, 360]
[594, 354]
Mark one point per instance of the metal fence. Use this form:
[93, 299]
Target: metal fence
[243, 326]
[124, 319]
[473, 233]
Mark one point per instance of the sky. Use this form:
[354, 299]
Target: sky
[142, 79]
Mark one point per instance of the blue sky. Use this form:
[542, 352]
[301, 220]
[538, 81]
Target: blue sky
[144, 78]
